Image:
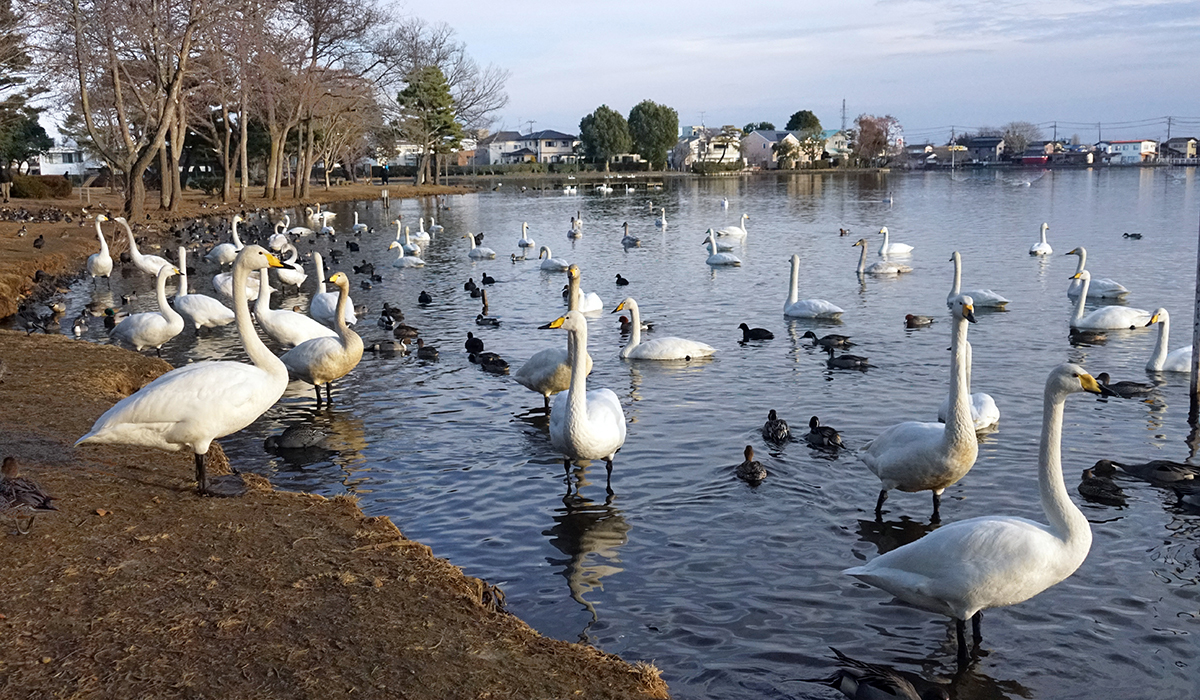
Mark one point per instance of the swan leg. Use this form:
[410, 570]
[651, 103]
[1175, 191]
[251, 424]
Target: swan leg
[960, 631]
[201, 476]
[546, 402]
[937, 503]
[328, 395]
[608, 480]
[317, 387]
[976, 632]
[879, 503]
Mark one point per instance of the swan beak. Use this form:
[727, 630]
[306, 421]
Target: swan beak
[1090, 385]
[1153, 320]
[969, 313]
[1074, 276]
[273, 261]
[619, 307]
[556, 323]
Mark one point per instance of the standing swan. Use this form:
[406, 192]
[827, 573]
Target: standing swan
[889, 248]
[584, 424]
[984, 298]
[198, 403]
[1102, 288]
[669, 348]
[149, 264]
[1105, 317]
[152, 329]
[100, 264]
[323, 305]
[915, 456]
[1179, 359]
[322, 360]
[881, 268]
[965, 567]
[1042, 247]
[198, 309]
[226, 253]
[808, 308]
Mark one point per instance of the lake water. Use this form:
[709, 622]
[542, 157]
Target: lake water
[736, 592]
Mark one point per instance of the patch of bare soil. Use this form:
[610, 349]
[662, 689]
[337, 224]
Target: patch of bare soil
[138, 588]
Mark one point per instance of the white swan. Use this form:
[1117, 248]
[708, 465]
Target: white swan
[197, 403]
[984, 298]
[525, 241]
[278, 239]
[738, 231]
[808, 308]
[409, 247]
[284, 326]
[722, 245]
[405, 260]
[434, 226]
[668, 348]
[150, 264]
[889, 248]
[577, 299]
[661, 221]
[1102, 288]
[968, 566]
[358, 227]
[323, 305]
[153, 328]
[197, 309]
[576, 230]
[629, 241]
[985, 414]
[584, 424]
[421, 235]
[292, 273]
[549, 371]
[100, 264]
[1177, 360]
[480, 252]
[915, 456]
[226, 253]
[222, 282]
[322, 360]
[1105, 317]
[716, 258]
[299, 230]
[880, 268]
[1041, 247]
[551, 263]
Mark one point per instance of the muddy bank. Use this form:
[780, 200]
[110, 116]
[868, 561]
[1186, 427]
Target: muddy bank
[139, 588]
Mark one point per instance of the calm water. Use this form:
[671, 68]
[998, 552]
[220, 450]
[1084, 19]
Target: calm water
[734, 591]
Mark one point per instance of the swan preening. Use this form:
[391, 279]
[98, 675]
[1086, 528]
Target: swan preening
[889, 248]
[193, 405]
[916, 456]
[1105, 317]
[1041, 247]
[969, 566]
[100, 264]
[881, 268]
[668, 348]
[1178, 360]
[983, 298]
[1101, 288]
[807, 308]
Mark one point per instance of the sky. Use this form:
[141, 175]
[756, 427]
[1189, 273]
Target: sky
[932, 64]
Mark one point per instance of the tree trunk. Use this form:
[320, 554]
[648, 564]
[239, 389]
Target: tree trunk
[178, 133]
[226, 164]
[243, 183]
[309, 149]
[164, 183]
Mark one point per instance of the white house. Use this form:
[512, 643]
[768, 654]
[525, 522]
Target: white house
[1135, 151]
[703, 145]
[759, 147]
[546, 146]
[67, 159]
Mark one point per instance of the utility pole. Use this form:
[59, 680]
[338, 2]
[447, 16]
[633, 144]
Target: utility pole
[1055, 132]
[1168, 128]
[953, 150]
[1099, 133]
[843, 115]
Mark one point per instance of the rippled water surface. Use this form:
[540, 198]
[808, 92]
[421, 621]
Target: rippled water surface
[736, 592]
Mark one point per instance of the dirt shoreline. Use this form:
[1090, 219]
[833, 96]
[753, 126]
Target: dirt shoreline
[140, 588]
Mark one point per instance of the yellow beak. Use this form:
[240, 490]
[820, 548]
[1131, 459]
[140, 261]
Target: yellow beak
[556, 323]
[273, 261]
[1089, 383]
[619, 307]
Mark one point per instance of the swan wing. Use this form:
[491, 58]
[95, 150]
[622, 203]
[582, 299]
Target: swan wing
[813, 308]
[201, 310]
[670, 348]
[1113, 318]
[907, 455]
[1178, 360]
[290, 328]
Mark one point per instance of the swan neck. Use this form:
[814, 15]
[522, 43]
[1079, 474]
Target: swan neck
[1085, 282]
[133, 249]
[339, 319]
[862, 260]
[957, 275]
[635, 333]
[574, 296]
[1082, 258]
[883, 248]
[237, 242]
[262, 358]
[160, 288]
[958, 422]
[320, 273]
[263, 303]
[794, 291]
[1065, 520]
[103, 243]
[182, 289]
[577, 354]
[1159, 355]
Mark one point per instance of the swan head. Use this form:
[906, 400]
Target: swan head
[256, 257]
[393, 245]
[1070, 378]
[101, 218]
[1160, 315]
[1045, 227]
[572, 320]
[544, 252]
[955, 256]
[1074, 251]
[308, 210]
[628, 303]
[237, 219]
[860, 242]
[573, 272]
[964, 306]
[883, 230]
[340, 279]
[1082, 275]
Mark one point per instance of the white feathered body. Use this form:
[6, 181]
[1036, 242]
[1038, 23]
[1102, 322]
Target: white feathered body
[322, 360]
[912, 456]
[597, 437]
[669, 348]
[203, 311]
[548, 372]
[323, 307]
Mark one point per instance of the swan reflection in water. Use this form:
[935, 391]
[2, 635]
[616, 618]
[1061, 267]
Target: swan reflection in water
[591, 535]
[887, 535]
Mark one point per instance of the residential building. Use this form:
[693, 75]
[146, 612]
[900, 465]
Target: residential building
[1131, 152]
[703, 145]
[759, 147]
[67, 158]
[1179, 147]
[491, 149]
[985, 149]
[836, 144]
[546, 146]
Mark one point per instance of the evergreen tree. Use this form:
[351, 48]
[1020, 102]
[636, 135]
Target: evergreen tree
[604, 134]
[803, 120]
[654, 130]
[427, 116]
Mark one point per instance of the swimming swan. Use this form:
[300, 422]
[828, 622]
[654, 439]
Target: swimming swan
[984, 298]
[1105, 317]
[197, 309]
[154, 328]
[323, 305]
[668, 348]
[322, 360]
[149, 264]
[968, 566]
[734, 231]
[479, 252]
[197, 403]
[914, 456]
[889, 248]
[808, 308]
[226, 253]
[1178, 360]
[100, 264]
[881, 268]
[718, 259]
[549, 371]
[405, 260]
[525, 241]
[1102, 288]
[284, 326]
[1041, 247]
[551, 263]
[577, 300]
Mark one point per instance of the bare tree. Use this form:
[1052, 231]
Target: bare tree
[1018, 136]
[875, 137]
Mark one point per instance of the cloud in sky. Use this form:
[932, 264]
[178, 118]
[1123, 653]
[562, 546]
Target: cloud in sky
[930, 63]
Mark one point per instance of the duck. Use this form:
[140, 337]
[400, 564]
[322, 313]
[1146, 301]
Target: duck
[846, 361]
[426, 352]
[487, 279]
[482, 320]
[775, 429]
[822, 436]
[152, 329]
[226, 253]
[410, 261]
[300, 436]
[750, 470]
[807, 308]
[1100, 489]
[1177, 360]
[859, 680]
[551, 263]
[628, 241]
[195, 404]
[918, 321]
[584, 425]
[749, 333]
[984, 298]
[401, 331]
[1101, 288]
[323, 305]
[1125, 390]
[479, 252]
[424, 298]
[197, 309]
[626, 325]
[489, 362]
[292, 273]
[668, 348]
[1160, 472]
[473, 344]
[718, 259]
[22, 497]
[100, 264]
[525, 241]
[985, 414]
[1133, 236]
[971, 565]
[323, 360]
[889, 248]
[915, 456]
[285, 327]
[833, 340]
[881, 268]
[621, 281]
[585, 303]
[737, 231]
[150, 264]
[1105, 317]
[1042, 247]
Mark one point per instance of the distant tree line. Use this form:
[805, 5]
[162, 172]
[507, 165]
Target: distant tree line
[651, 131]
